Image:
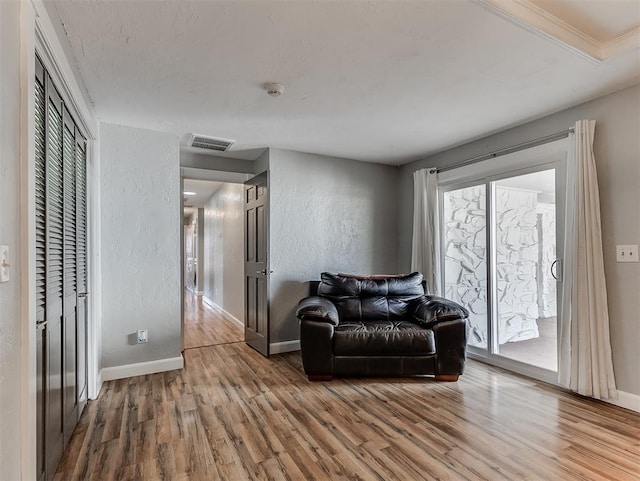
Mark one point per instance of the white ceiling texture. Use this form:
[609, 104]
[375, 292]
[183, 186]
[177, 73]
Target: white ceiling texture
[203, 190]
[379, 81]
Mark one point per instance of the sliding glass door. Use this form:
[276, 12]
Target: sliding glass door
[501, 251]
[525, 258]
[466, 257]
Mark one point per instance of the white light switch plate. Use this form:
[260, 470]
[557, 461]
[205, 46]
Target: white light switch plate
[4, 264]
[627, 253]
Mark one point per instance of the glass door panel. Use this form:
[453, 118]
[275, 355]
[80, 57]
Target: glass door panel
[465, 257]
[524, 248]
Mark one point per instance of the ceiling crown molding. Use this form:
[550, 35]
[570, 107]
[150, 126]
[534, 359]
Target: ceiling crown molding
[541, 22]
[624, 43]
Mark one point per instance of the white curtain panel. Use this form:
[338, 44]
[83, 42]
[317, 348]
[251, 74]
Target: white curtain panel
[425, 248]
[585, 347]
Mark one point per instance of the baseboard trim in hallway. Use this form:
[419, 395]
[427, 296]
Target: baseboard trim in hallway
[141, 368]
[207, 324]
[227, 315]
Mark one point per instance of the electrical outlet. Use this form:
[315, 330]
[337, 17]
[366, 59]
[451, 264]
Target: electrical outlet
[627, 253]
[142, 336]
[4, 264]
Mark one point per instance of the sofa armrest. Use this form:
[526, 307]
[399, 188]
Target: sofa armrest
[451, 346]
[431, 310]
[316, 308]
[316, 347]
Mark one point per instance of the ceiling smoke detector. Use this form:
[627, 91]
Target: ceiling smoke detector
[274, 89]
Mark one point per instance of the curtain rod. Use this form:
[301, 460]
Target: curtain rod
[509, 150]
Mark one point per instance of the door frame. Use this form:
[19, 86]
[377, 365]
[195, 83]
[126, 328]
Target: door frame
[38, 35]
[199, 173]
[543, 157]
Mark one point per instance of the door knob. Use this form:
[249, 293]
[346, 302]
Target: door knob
[264, 272]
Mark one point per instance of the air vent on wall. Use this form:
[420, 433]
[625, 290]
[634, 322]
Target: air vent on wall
[210, 143]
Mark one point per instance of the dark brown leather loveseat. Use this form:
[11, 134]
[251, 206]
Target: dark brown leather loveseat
[380, 326]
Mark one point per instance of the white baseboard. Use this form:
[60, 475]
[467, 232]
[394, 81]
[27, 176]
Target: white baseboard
[626, 400]
[226, 314]
[141, 368]
[209, 302]
[286, 346]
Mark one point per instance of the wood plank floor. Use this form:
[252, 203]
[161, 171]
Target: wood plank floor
[234, 415]
[204, 326]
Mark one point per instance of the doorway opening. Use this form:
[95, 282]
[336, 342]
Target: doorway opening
[213, 263]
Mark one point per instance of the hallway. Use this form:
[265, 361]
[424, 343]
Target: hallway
[204, 326]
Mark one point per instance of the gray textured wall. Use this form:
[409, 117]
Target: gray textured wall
[10, 292]
[327, 214]
[262, 163]
[223, 249]
[215, 162]
[617, 151]
[140, 241]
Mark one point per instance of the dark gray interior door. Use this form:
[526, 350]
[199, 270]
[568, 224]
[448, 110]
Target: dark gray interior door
[70, 290]
[41, 270]
[256, 264]
[54, 440]
[61, 274]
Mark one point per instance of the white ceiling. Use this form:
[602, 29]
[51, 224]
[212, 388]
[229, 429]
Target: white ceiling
[203, 189]
[380, 81]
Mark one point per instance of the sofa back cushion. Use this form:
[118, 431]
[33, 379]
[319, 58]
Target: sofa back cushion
[367, 298]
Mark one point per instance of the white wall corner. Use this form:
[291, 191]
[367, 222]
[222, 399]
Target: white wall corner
[285, 346]
[94, 324]
[141, 368]
[93, 394]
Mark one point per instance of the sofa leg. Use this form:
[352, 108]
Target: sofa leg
[446, 377]
[319, 377]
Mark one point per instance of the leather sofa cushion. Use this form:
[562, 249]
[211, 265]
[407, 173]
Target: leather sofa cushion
[382, 338]
[371, 298]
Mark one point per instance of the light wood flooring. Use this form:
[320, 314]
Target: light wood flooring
[232, 414]
[204, 326]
